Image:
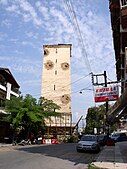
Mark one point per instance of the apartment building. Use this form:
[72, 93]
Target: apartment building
[118, 11]
[8, 87]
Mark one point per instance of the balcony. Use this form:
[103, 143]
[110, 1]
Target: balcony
[13, 91]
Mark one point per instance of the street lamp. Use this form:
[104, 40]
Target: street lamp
[84, 89]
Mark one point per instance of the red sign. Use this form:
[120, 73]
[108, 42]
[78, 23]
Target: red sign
[106, 94]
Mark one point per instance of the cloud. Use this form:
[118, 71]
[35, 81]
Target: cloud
[23, 66]
[12, 8]
[43, 10]
[30, 13]
[6, 22]
[14, 40]
[3, 36]
[48, 22]
[25, 9]
[4, 2]
[32, 35]
[28, 43]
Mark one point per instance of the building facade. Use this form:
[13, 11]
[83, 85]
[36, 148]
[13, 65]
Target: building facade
[118, 11]
[56, 82]
[8, 87]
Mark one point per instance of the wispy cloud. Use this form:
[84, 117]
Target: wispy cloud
[4, 2]
[2, 36]
[32, 34]
[30, 12]
[35, 23]
[6, 22]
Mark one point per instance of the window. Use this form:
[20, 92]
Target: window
[56, 60]
[54, 87]
[55, 72]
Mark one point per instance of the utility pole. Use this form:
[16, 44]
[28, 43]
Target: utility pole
[107, 119]
[96, 82]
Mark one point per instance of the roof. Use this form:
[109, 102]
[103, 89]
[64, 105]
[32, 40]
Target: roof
[57, 46]
[5, 72]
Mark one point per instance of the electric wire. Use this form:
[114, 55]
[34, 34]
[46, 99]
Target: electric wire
[76, 28]
[75, 24]
[67, 84]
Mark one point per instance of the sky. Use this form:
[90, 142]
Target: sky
[27, 25]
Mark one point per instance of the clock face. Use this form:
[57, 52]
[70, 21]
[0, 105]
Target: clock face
[49, 65]
[65, 99]
[46, 52]
[65, 66]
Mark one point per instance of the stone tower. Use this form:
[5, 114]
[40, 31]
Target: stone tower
[56, 81]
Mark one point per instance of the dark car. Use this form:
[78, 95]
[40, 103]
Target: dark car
[88, 143]
[117, 137]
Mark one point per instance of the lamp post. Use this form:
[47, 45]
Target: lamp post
[84, 89]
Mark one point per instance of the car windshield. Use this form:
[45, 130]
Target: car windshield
[88, 138]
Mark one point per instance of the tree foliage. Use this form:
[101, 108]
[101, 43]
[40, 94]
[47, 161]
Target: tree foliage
[29, 113]
[96, 119]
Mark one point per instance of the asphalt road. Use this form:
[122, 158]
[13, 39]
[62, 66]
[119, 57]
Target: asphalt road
[61, 156]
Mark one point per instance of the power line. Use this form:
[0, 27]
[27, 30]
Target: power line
[66, 85]
[75, 24]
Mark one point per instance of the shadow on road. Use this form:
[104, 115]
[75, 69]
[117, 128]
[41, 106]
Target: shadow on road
[62, 151]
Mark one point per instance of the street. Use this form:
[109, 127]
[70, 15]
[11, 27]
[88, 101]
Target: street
[61, 156]
[123, 150]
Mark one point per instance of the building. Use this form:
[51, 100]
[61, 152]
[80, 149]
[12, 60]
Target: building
[8, 87]
[118, 11]
[56, 85]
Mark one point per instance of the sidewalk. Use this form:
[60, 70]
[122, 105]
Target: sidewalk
[111, 158]
[5, 145]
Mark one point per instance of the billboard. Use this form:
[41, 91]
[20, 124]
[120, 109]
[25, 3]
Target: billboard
[106, 94]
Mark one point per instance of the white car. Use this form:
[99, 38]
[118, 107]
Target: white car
[88, 143]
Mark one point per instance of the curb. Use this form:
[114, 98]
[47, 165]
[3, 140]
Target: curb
[92, 166]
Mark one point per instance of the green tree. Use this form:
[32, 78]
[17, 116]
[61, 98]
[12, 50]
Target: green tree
[95, 119]
[28, 113]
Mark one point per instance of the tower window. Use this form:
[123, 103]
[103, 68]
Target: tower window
[56, 50]
[55, 72]
[54, 87]
[56, 60]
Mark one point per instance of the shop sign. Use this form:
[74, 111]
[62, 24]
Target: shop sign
[106, 94]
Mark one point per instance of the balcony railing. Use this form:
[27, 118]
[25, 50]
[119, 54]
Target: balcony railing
[3, 83]
[16, 90]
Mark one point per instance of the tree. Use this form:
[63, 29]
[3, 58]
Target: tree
[96, 119]
[29, 114]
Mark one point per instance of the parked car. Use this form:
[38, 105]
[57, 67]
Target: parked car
[88, 143]
[117, 137]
